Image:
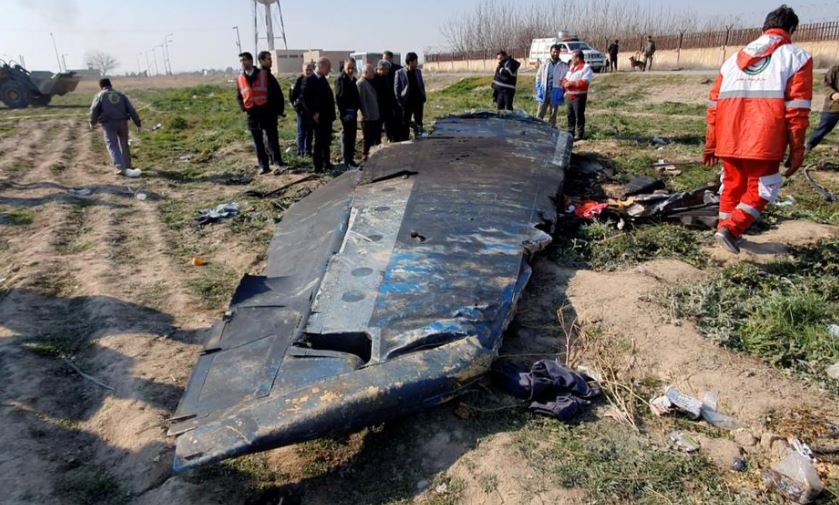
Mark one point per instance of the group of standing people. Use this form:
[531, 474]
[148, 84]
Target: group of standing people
[387, 98]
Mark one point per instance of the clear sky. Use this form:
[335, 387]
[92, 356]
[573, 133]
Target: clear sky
[203, 36]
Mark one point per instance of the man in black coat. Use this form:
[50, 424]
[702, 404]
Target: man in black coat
[304, 122]
[346, 94]
[261, 102]
[275, 99]
[504, 82]
[393, 114]
[319, 103]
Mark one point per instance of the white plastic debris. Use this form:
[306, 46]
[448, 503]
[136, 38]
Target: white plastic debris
[683, 402]
[833, 330]
[795, 478]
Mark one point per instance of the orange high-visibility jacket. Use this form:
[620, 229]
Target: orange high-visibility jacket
[761, 100]
[577, 80]
[256, 94]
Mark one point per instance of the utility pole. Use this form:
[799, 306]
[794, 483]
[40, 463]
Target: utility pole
[139, 66]
[64, 60]
[167, 62]
[282, 23]
[148, 65]
[55, 47]
[154, 58]
[255, 31]
[238, 40]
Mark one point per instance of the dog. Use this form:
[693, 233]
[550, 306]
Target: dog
[637, 63]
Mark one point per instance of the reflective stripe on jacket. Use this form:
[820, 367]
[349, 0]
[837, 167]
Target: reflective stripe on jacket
[560, 68]
[255, 95]
[760, 102]
[577, 81]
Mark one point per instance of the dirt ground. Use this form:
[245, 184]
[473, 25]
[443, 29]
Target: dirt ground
[104, 278]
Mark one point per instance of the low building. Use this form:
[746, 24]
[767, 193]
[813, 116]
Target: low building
[336, 57]
[288, 61]
[363, 58]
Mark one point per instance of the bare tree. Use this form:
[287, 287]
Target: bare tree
[101, 61]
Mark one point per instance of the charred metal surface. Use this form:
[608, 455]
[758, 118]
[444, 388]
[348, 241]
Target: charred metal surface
[386, 290]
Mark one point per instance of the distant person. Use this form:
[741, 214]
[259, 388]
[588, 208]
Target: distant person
[304, 121]
[394, 66]
[576, 84]
[112, 110]
[346, 96]
[275, 99]
[389, 110]
[830, 110]
[394, 133]
[759, 105]
[549, 92]
[410, 92]
[371, 121]
[504, 82]
[319, 103]
[613, 50]
[252, 94]
[649, 51]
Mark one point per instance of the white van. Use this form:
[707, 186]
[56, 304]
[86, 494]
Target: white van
[540, 50]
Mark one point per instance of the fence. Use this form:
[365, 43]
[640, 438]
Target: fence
[814, 32]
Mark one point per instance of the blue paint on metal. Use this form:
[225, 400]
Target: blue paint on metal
[482, 196]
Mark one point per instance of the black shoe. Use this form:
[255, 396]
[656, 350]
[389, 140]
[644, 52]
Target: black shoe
[264, 171]
[727, 240]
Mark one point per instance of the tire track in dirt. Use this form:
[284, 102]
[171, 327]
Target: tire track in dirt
[75, 261]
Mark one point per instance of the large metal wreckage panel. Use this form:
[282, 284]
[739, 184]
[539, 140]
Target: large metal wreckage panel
[387, 291]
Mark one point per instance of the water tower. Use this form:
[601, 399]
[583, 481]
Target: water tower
[269, 23]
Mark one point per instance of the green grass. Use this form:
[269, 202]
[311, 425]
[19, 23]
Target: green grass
[602, 247]
[91, 486]
[778, 312]
[214, 285]
[17, 217]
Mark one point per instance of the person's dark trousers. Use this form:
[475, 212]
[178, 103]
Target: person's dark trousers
[577, 116]
[648, 63]
[269, 125]
[372, 131]
[613, 63]
[304, 134]
[412, 111]
[828, 122]
[323, 139]
[348, 137]
[504, 99]
[393, 125]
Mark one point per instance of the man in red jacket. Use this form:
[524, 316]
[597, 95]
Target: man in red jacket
[759, 105]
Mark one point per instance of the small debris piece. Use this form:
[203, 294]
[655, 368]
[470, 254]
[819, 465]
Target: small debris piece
[217, 213]
[198, 261]
[659, 141]
[80, 191]
[157, 126]
[589, 209]
[833, 330]
[140, 196]
[740, 465]
[684, 402]
[789, 201]
[795, 478]
[661, 406]
[684, 441]
[833, 371]
[442, 489]
[643, 184]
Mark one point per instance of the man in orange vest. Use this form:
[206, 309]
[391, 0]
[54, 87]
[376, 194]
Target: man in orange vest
[759, 105]
[576, 84]
[254, 97]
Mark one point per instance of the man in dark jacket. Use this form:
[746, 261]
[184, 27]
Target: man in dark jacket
[830, 111]
[256, 99]
[113, 110]
[504, 82]
[388, 106]
[393, 119]
[649, 51]
[276, 100]
[346, 95]
[410, 92]
[613, 50]
[304, 122]
[319, 103]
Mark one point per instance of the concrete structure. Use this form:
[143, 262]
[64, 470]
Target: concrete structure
[288, 61]
[825, 54]
[334, 56]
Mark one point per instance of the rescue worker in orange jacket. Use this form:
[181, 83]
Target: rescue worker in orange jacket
[254, 95]
[758, 107]
[576, 84]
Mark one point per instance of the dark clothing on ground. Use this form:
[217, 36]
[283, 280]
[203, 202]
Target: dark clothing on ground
[346, 95]
[577, 115]
[318, 99]
[262, 120]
